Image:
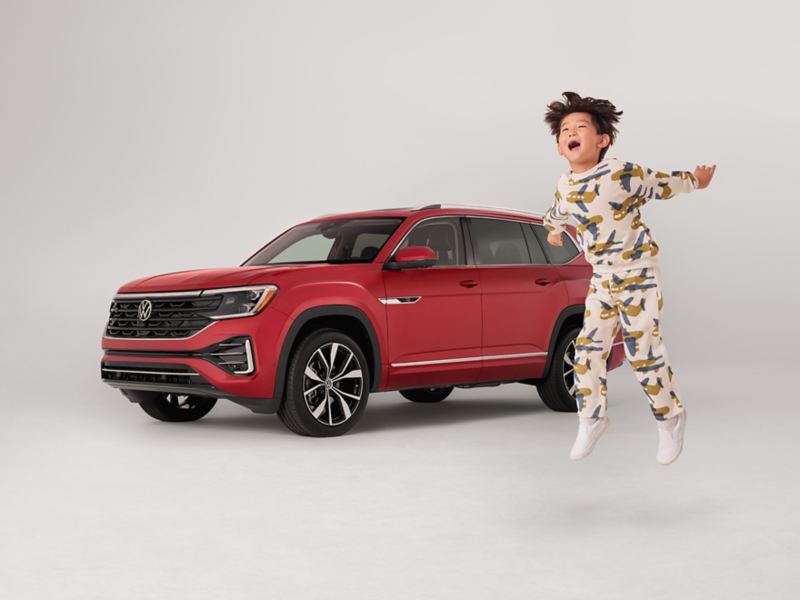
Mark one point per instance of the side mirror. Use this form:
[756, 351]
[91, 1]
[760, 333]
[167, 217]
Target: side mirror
[411, 257]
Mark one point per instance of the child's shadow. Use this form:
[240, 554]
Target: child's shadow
[643, 512]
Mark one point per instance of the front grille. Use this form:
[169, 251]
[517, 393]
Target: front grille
[173, 317]
[149, 373]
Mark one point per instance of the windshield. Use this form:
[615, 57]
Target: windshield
[336, 241]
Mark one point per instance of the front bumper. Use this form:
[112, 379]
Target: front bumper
[187, 365]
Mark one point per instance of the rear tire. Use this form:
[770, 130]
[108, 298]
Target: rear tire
[327, 385]
[558, 389]
[173, 408]
[427, 395]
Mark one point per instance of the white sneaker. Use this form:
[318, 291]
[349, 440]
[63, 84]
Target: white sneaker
[670, 438]
[588, 434]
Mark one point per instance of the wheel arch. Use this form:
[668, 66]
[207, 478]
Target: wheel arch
[571, 316]
[349, 319]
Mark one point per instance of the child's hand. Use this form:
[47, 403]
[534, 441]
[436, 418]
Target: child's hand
[555, 239]
[703, 175]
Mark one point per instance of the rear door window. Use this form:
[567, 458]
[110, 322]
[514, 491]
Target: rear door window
[498, 241]
[557, 255]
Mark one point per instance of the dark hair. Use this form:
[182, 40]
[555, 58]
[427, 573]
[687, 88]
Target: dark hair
[604, 115]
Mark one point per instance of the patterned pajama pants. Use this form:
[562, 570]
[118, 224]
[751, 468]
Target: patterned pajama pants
[630, 300]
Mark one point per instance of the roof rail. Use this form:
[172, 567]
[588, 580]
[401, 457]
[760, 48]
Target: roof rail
[482, 207]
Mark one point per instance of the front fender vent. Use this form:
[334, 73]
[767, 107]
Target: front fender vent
[235, 355]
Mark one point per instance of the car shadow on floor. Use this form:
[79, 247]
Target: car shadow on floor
[385, 414]
[412, 415]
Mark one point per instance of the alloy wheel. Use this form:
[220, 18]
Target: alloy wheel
[180, 401]
[332, 383]
[569, 369]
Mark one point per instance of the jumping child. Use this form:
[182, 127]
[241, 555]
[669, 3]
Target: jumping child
[603, 196]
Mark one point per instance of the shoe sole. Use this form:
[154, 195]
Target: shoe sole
[588, 451]
[680, 448]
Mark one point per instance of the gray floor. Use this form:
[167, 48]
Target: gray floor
[472, 498]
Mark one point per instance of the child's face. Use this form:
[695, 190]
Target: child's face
[578, 140]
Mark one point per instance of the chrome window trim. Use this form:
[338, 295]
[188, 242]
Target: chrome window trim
[549, 264]
[514, 265]
[468, 359]
[472, 266]
[448, 267]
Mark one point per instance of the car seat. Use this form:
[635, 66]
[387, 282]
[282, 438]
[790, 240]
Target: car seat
[507, 253]
[369, 252]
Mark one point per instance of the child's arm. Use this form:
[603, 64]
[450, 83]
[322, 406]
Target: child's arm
[661, 186]
[554, 221]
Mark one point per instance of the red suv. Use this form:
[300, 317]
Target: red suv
[418, 300]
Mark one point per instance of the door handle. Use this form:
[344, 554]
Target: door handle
[469, 283]
[542, 281]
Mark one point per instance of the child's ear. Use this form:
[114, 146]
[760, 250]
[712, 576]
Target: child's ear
[558, 148]
[605, 140]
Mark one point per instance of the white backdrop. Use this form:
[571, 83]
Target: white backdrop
[145, 137]
[150, 136]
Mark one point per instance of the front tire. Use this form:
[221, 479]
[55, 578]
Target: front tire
[327, 386]
[427, 395]
[558, 389]
[173, 408]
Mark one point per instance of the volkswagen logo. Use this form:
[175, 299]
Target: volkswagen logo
[145, 310]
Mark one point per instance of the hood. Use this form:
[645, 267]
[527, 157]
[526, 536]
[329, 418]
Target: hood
[200, 279]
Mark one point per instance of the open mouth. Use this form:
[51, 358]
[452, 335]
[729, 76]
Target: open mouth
[573, 144]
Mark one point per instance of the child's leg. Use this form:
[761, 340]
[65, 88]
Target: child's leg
[640, 303]
[592, 347]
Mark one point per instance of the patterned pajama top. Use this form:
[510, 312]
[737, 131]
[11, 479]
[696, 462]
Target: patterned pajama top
[605, 201]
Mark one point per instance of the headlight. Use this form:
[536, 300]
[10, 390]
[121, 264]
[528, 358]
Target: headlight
[241, 302]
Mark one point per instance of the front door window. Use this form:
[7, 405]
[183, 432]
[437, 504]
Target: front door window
[443, 236]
